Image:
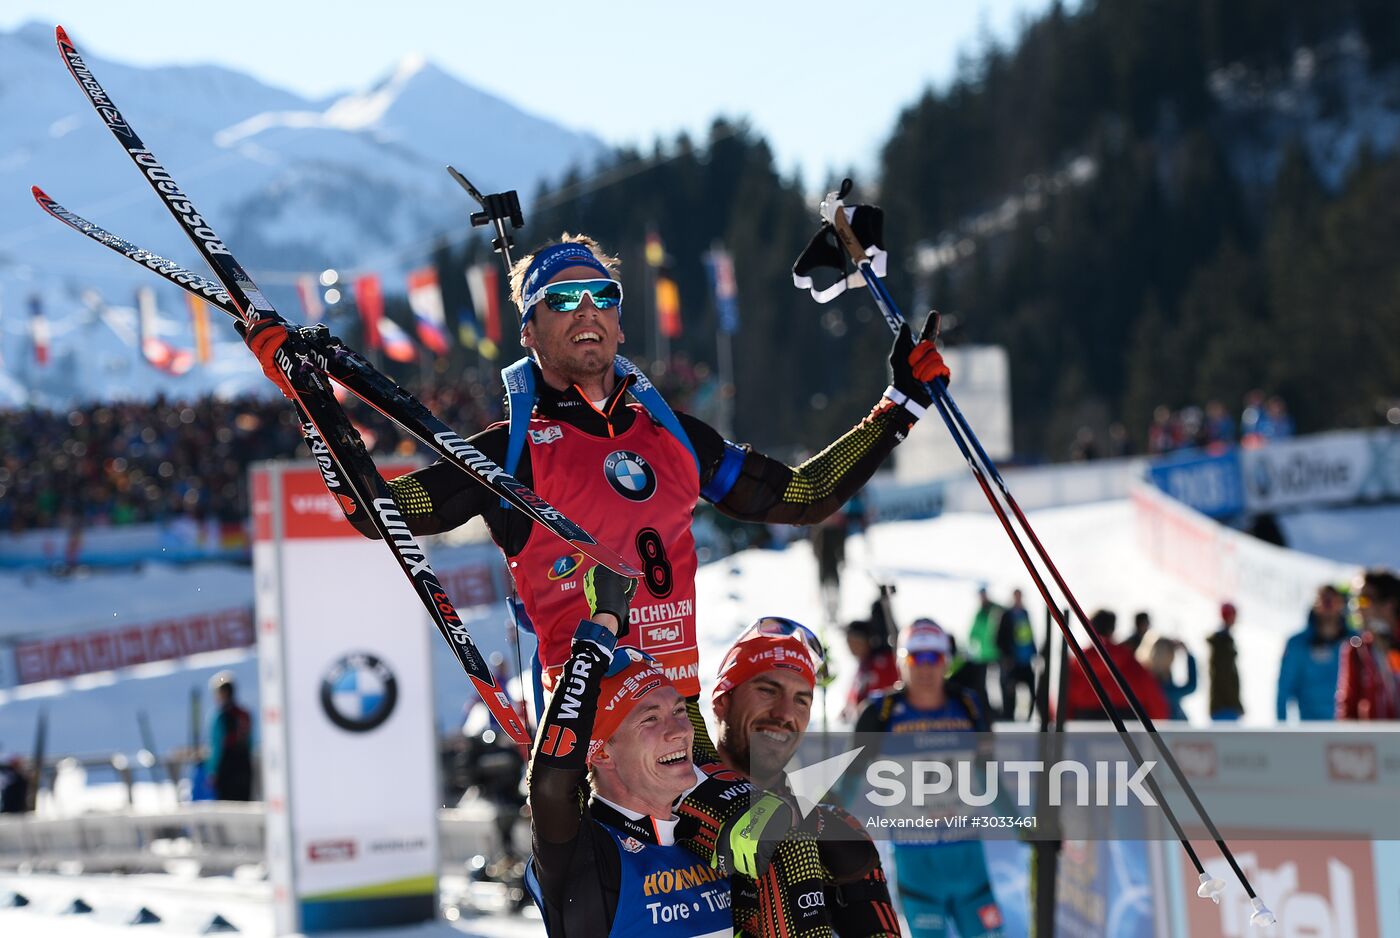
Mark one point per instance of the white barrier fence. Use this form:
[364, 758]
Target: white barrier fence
[1054, 486]
[1222, 563]
[214, 837]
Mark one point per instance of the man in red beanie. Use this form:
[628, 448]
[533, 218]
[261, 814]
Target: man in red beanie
[763, 703]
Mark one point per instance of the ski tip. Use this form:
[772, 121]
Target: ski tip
[61, 35]
[39, 194]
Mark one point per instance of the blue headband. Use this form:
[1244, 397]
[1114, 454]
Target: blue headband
[549, 261]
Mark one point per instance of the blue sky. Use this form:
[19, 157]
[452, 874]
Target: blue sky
[822, 81]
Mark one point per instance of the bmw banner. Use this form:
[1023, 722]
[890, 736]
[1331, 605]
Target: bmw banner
[349, 764]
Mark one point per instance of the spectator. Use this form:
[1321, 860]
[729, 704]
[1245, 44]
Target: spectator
[1142, 624]
[829, 544]
[876, 669]
[1278, 423]
[1120, 444]
[1224, 694]
[1310, 667]
[230, 765]
[1162, 436]
[14, 786]
[1251, 418]
[1016, 657]
[1161, 656]
[981, 644]
[1085, 447]
[1368, 682]
[1191, 427]
[1220, 429]
[1083, 703]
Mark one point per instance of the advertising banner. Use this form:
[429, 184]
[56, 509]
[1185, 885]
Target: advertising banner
[89, 652]
[349, 759]
[1207, 482]
[1326, 469]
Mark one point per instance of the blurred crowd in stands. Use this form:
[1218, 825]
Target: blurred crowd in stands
[1264, 418]
[116, 463]
[131, 462]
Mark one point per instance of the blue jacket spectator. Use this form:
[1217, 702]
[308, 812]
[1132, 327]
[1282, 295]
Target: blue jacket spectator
[1311, 660]
[1159, 661]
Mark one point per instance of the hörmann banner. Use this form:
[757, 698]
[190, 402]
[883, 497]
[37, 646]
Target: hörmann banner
[349, 770]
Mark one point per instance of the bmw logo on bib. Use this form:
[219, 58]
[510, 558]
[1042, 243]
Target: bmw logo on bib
[629, 475]
[358, 692]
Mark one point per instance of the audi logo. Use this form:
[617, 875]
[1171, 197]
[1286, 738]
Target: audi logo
[811, 900]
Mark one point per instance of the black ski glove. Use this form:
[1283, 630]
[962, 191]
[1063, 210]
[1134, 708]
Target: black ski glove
[607, 591]
[914, 364]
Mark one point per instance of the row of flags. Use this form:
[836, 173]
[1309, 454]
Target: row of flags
[478, 319]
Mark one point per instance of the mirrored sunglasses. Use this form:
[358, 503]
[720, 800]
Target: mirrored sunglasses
[564, 296]
[925, 657]
[780, 625]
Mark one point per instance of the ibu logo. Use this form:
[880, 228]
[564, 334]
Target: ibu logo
[358, 692]
[629, 475]
[565, 567]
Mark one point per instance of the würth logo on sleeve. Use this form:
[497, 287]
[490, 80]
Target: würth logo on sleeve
[558, 741]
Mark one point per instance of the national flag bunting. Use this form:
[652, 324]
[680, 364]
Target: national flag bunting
[39, 330]
[655, 250]
[369, 299]
[425, 299]
[720, 267]
[199, 324]
[483, 282]
[668, 306]
[159, 353]
[309, 291]
[396, 343]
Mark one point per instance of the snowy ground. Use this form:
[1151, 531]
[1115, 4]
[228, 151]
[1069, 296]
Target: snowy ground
[937, 566]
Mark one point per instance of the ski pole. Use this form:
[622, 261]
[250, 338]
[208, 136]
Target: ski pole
[982, 466]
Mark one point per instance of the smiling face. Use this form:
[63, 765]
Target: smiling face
[576, 347]
[646, 765]
[762, 721]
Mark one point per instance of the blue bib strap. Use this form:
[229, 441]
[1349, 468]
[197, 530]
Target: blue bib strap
[532, 888]
[537, 683]
[646, 394]
[726, 474]
[519, 380]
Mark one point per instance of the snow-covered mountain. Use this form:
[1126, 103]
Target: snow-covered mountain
[291, 184]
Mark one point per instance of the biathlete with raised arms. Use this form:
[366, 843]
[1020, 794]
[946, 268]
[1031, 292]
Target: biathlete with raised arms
[590, 433]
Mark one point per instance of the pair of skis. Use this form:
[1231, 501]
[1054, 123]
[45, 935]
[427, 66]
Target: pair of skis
[310, 357]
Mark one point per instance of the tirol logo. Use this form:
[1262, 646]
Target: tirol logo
[629, 475]
[358, 692]
[564, 567]
[547, 435]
